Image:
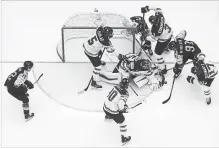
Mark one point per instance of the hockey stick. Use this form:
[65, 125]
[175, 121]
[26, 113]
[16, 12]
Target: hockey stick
[118, 71]
[38, 78]
[165, 101]
[180, 66]
[82, 91]
[134, 106]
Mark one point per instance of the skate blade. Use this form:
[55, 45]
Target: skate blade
[125, 142]
[29, 118]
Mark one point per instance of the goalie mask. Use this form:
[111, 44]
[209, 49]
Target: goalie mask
[145, 64]
[108, 32]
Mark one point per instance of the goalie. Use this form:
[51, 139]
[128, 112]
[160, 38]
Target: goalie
[141, 70]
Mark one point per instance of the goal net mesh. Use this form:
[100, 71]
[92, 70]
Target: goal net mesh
[83, 25]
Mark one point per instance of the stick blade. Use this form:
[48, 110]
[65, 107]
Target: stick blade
[165, 101]
[82, 91]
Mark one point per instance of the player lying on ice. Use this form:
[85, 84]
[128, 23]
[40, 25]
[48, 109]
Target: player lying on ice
[141, 70]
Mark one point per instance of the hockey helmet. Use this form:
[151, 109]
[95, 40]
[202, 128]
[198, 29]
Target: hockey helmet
[108, 32]
[153, 19]
[28, 65]
[145, 64]
[182, 34]
[199, 58]
[124, 83]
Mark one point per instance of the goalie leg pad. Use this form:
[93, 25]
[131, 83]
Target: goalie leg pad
[109, 77]
[141, 80]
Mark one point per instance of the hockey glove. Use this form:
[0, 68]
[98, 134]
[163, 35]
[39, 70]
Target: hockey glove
[177, 70]
[190, 79]
[29, 84]
[125, 110]
[121, 57]
[194, 70]
[145, 9]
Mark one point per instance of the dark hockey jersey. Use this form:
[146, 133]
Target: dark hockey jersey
[17, 78]
[157, 29]
[186, 49]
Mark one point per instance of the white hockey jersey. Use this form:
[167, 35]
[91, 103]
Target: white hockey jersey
[96, 43]
[116, 100]
[161, 31]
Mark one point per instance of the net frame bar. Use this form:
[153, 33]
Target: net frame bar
[62, 57]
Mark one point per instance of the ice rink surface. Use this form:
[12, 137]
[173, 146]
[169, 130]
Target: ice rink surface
[31, 31]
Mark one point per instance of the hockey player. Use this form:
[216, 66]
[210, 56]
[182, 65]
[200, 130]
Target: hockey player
[93, 50]
[115, 105]
[161, 32]
[18, 85]
[205, 73]
[184, 50]
[143, 71]
[143, 30]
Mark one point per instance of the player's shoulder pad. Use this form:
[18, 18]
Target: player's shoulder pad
[20, 70]
[100, 37]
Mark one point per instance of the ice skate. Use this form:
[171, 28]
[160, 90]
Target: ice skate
[29, 116]
[95, 85]
[208, 101]
[125, 140]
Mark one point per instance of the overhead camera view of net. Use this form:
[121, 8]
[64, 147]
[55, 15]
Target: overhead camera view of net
[109, 77]
[125, 44]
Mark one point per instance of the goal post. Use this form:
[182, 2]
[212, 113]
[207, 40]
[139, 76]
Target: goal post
[83, 25]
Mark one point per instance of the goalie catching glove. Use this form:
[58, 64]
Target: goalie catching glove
[160, 82]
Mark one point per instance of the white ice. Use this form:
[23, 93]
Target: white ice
[31, 30]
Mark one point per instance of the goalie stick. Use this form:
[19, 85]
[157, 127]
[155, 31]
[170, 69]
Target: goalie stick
[38, 78]
[82, 91]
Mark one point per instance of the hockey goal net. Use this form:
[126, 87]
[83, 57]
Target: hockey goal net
[82, 25]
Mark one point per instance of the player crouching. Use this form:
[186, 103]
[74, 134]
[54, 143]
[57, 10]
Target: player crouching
[93, 50]
[115, 106]
[205, 73]
[18, 85]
